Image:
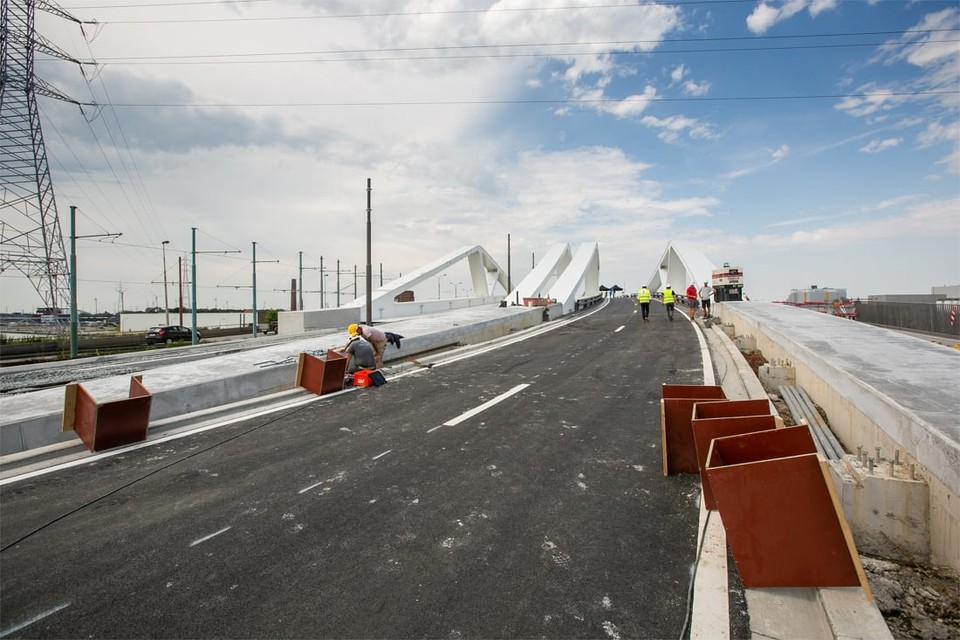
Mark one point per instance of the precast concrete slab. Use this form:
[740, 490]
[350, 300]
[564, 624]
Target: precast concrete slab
[32, 420]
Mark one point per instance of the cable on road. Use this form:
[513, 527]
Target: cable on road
[147, 475]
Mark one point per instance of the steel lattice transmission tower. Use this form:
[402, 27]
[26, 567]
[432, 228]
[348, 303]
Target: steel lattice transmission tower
[31, 240]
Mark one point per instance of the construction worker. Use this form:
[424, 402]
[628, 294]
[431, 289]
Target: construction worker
[643, 297]
[359, 354]
[376, 337]
[706, 293]
[668, 300]
[693, 301]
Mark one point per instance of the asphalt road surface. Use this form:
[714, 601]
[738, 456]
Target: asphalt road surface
[516, 493]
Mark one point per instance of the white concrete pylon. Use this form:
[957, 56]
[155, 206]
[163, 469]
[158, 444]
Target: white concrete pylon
[681, 264]
[485, 276]
[539, 282]
[581, 278]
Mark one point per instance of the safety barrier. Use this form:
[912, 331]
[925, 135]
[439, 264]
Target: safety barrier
[781, 512]
[321, 375]
[676, 433]
[104, 425]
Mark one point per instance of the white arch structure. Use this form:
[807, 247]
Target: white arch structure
[571, 278]
[681, 264]
[565, 276]
[485, 275]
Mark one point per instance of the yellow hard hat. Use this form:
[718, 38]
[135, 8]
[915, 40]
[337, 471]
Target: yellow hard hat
[353, 329]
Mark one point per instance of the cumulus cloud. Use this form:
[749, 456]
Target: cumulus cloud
[672, 128]
[876, 146]
[768, 14]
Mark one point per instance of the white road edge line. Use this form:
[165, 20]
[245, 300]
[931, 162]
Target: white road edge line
[377, 457]
[212, 535]
[483, 407]
[36, 618]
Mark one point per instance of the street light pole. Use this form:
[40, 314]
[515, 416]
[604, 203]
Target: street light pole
[73, 283]
[193, 285]
[166, 301]
[438, 284]
[254, 323]
[300, 282]
[369, 262]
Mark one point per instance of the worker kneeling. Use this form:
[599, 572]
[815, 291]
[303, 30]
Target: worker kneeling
[359, 354]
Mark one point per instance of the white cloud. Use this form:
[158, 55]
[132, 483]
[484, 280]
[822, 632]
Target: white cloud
[768, 14]
[673, 127]
[876, 146]
[692, 88]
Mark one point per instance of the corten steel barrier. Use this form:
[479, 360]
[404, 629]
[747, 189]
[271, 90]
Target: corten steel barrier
[676, 434]
[103, 425]
[319, 375]
[706, 429]
[782, 516]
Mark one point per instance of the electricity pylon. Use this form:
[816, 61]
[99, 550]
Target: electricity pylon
[30, 237]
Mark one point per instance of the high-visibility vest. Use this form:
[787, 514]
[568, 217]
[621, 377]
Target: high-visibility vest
[644, 295]
[668, 296]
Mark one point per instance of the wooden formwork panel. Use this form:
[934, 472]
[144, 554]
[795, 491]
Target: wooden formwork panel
[706, 429]
[732, 408]
[704, 391]
[781, 513]
[321, 375]
[676, 434]
[104, 425]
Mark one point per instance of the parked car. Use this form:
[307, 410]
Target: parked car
[170, 333]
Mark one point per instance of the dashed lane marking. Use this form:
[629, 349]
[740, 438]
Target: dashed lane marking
[212, 535]
[483, 407]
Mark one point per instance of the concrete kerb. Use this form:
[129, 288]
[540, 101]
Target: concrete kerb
[33, 420]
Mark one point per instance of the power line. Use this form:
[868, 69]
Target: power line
[429, 103]
[183, 60]
[393, 14]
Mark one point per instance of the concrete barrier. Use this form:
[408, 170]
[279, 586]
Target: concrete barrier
[32, 420]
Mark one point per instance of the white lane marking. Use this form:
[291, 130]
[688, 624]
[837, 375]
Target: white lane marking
[313, 486]
[382, 454]
[483, 407]
[620, 328]
[708, 378]
[36, 618]
[212, 535]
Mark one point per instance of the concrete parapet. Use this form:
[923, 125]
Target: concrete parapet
[878, 388]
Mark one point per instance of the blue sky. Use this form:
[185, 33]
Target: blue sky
[808, 141]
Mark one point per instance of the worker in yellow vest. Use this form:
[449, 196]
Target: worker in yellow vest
[644, 299]
[668, 300]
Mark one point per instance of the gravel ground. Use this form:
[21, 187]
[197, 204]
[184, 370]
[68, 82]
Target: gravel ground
[916, 601]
